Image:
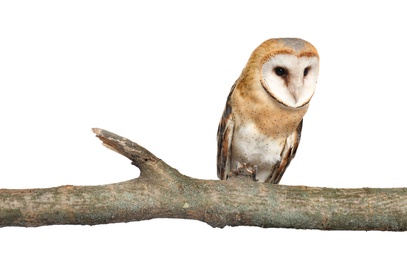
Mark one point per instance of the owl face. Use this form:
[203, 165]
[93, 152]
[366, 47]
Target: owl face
[290, 79]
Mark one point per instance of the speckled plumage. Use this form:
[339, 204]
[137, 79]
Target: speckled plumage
[262, 121]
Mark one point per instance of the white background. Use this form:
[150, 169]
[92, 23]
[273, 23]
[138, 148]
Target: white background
[159, 74]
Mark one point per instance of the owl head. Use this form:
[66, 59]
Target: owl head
[287, 69]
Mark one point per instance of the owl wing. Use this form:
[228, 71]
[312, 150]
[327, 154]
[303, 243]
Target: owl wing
[225, 135]
[288, 153]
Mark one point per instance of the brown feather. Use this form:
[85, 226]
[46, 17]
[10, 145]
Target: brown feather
[225, 133]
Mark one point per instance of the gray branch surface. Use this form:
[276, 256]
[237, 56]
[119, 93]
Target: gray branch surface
[162, 192]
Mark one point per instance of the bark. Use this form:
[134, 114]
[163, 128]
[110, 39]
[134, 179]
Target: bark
[162, 192]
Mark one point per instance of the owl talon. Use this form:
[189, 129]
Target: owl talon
[254, 172]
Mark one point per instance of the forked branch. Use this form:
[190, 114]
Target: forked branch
[162, 192]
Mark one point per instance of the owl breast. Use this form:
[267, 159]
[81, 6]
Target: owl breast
[251, 146]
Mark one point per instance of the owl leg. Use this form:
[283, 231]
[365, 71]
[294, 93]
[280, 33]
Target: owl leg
[245, 169]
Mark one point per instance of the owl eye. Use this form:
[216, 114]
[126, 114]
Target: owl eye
[280, 71]
[306, 71]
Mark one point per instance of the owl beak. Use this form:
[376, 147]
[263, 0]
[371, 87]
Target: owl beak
[295, 89]
[295, 93]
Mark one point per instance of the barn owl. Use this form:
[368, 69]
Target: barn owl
[260, 128]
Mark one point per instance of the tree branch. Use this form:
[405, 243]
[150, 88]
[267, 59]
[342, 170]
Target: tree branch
[162, 192]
